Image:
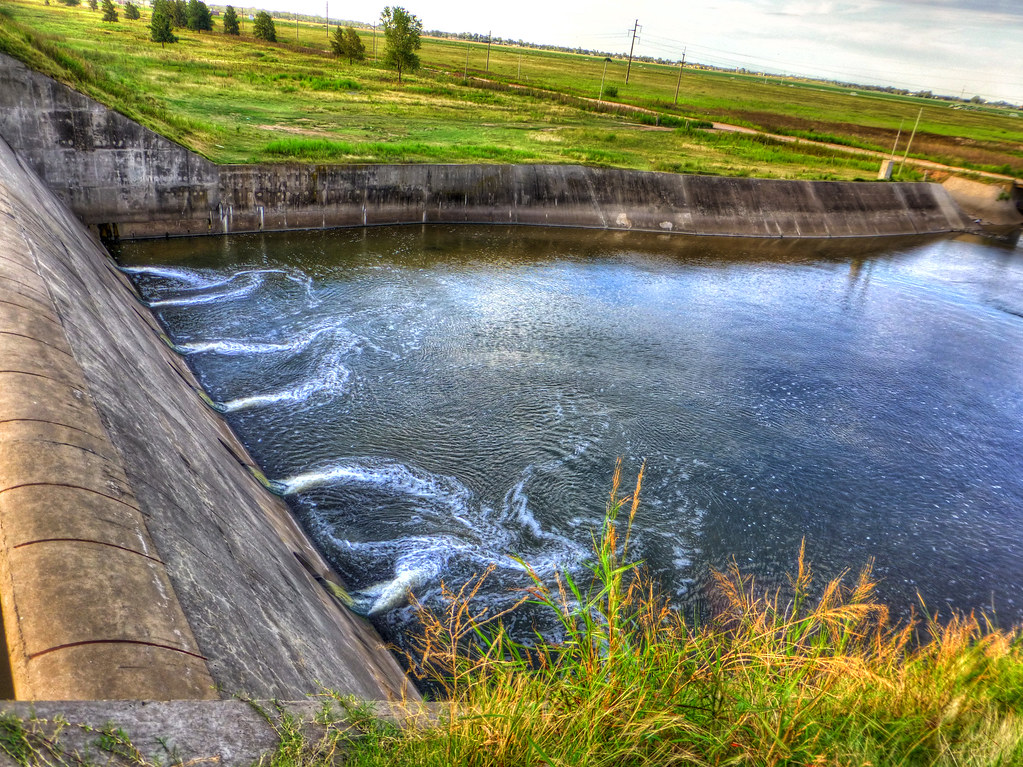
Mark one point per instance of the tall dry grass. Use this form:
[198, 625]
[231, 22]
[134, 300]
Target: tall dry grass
[804, 676]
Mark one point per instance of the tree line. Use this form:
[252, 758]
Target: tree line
[402, 31]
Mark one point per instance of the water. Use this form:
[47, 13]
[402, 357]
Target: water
[432, 401]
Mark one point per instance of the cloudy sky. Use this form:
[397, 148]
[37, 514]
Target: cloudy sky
[971, 47]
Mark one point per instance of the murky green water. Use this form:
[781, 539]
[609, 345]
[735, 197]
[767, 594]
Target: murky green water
[434, 400]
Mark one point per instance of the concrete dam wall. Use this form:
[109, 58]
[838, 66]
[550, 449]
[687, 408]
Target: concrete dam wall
[122, 178]
[139, 555]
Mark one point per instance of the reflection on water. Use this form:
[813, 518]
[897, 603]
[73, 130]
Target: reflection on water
[434, 400]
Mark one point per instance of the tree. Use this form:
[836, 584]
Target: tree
[93, 4]
[263, 28]
[109, 12]
[230, 21]
[199, 16]
[347, 44]
[131, 11]
[401, 31]
[160, 25]
[180, 13]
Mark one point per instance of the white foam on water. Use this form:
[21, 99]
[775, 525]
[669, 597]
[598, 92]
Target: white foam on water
[419, 561]
[392, 475]
[188, 276]
[516, 504]
[200, 281]
[331, 377]
[389, 595]
[232, 347]
[209, 298]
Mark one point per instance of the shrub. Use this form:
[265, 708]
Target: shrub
[264, 28]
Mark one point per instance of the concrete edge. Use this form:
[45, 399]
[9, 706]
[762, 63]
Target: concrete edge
[229, 733]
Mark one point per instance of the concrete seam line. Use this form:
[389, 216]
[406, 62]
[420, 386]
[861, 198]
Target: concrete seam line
[26, 287]
[83, 643]
[89, 540]
[61, 381]
[72, 487]
[46, 314]
[51, 423]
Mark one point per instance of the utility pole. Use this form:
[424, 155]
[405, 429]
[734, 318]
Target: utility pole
[489, 34]
[519, 76]
[680, 65]
[374, 43]
[632, 47]
[896, 144]
[465, 72]
[911, 137]
[600, 96]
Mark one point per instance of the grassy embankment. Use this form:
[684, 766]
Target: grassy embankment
[241, 100]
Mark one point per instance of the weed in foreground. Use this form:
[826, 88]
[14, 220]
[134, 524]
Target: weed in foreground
[805, 677]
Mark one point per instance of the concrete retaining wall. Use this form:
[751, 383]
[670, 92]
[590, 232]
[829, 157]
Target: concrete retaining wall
[115, 174]
[139, 555]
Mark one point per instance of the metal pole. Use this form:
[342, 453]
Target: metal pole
[519, 76]
[465, 72]
[489, 35]
[600, 96]
[897, 137]
[631, 48]
[910, 143]
[679, 82]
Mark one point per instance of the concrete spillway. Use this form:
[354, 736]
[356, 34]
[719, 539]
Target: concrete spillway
[139, 555]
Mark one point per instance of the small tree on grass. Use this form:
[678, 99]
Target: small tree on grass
[347, 44]
[93, 4]
[109, 11]
[131, 11]
[74, 2]
[263, 28]
[230, 21]
[199, 16]
[160, 30]
[402, 31]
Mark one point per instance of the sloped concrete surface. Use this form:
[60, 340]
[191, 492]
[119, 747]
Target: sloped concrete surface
[139, 556]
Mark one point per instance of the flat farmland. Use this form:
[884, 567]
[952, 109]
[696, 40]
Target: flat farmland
[241, 100]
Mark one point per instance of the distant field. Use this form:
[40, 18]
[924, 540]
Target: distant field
[241, 100]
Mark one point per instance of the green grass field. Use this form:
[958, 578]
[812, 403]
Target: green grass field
[238, 100]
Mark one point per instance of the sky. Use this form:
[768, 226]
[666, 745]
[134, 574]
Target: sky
[954, 47]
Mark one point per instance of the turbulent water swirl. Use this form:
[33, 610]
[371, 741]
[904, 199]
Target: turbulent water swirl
[433, 402]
